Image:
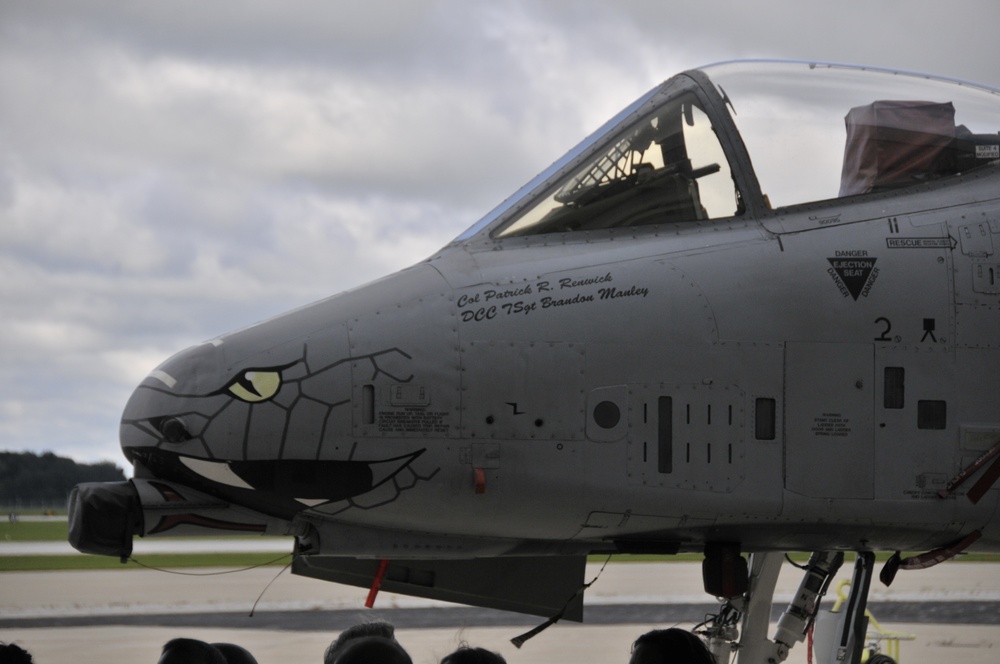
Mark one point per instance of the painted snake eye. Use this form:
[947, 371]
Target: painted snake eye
[255, 385]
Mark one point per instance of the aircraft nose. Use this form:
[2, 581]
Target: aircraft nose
[157, 412]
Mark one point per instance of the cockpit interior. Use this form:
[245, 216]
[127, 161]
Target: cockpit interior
[757, 136]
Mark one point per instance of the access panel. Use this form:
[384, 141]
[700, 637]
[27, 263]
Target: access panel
[828, 410]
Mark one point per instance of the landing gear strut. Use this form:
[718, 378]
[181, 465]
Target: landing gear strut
[742, 623]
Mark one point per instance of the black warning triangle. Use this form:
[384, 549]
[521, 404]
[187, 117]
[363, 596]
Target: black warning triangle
[853, 272]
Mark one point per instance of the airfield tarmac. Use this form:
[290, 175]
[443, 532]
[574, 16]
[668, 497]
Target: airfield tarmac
[126, 615]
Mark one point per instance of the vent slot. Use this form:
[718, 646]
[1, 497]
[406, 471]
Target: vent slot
[894, 387]
[765, 426]
[665, 435]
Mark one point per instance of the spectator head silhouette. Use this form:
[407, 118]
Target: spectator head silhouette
[190, 651]
[469, 655]
[235, 654]
[670, 646]
[14, 654]
[372, 650]
[343, 651]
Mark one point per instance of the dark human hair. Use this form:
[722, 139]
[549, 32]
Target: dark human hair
[469, 655]
[235, 654]
[190, 651]
[670, 646]
[14, 654]
[378, 628]
[372, 650]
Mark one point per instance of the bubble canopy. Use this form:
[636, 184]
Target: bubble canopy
[733, 137]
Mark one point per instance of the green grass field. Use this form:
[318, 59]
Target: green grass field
[57, 531]
[33, 531]
[157, 561]
[53, 531]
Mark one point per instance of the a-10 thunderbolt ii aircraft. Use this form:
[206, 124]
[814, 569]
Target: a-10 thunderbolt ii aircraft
[757, 312]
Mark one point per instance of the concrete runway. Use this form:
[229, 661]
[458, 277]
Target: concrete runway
[126, 615]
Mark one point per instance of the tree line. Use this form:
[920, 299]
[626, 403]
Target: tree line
[27, 478]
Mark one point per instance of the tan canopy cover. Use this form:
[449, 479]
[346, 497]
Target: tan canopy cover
[896, 143]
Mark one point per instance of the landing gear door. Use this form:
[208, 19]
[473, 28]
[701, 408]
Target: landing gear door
[828, 410]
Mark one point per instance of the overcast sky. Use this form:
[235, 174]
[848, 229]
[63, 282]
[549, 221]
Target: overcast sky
[170, 171]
